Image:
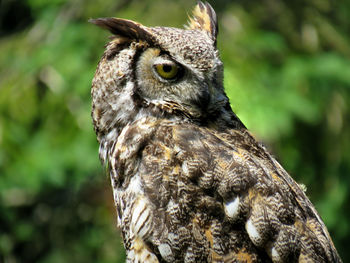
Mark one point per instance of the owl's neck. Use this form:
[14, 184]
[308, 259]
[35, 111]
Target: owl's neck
[130, 108]
[218, 116]
[223, 118]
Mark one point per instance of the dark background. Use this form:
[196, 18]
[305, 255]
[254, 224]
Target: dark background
[287, 73]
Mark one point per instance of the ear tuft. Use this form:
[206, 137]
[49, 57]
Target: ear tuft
[204, 18]
[125, 28]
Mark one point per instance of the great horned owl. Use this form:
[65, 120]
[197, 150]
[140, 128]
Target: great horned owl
[190, 183]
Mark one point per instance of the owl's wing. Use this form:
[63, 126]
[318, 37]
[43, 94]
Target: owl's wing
[211, 196]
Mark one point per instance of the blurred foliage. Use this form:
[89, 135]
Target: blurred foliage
[287, 72]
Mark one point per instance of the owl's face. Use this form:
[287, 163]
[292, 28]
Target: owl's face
[159, 71]
[181, 69]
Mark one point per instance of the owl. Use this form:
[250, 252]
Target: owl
[190, 183]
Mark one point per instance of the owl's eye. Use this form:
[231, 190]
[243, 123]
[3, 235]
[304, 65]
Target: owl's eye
[167, 71]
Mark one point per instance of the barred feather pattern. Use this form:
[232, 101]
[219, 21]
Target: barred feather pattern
[193, 194]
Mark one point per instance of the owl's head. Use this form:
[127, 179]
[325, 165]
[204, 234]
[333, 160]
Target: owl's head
[161, 72]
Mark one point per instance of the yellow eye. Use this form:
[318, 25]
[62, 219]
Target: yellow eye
[167, 71]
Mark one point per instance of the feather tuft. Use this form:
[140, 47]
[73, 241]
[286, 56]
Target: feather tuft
[125, 28]
[204, 18]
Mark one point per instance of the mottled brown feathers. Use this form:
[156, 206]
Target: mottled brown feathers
[192, 175]
[190, 183]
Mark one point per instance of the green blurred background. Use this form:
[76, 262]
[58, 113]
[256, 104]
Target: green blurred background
[287, 72]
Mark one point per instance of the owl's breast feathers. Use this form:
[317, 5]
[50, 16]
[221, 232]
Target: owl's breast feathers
[186, 193]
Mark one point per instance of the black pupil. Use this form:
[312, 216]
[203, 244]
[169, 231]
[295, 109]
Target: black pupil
[167, 68]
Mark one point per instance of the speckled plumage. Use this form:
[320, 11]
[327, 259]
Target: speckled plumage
[190, 183]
